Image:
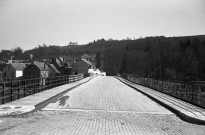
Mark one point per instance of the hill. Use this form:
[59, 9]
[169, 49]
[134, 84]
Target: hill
[171, 58]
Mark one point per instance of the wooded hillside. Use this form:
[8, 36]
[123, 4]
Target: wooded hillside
[170, 58]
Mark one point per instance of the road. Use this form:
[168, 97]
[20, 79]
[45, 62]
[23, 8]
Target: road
[104, 105]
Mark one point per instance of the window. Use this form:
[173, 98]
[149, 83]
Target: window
[4, 74]
[8, 68]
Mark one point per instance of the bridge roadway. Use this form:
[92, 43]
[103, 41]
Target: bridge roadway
[104, 105]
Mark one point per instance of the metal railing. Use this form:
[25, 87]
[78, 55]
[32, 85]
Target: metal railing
[189, 92]
[13, 90]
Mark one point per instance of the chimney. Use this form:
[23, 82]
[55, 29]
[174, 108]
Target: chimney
[31, 56]
[31, 59]
[11, 57]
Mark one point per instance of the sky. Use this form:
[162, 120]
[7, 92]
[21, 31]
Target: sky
[29, 23]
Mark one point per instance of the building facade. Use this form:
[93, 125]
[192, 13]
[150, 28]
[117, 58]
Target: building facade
[81, 66]
[13, 71]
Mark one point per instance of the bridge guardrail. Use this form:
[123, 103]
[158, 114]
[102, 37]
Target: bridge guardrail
[13, 90]
[189, 92]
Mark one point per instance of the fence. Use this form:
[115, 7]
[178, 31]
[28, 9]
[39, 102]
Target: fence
[12, 90]
[189, 92]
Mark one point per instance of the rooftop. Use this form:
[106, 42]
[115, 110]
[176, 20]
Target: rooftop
[19, 66]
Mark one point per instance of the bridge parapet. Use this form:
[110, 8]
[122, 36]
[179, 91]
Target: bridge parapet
[189, 92]
[13, 90]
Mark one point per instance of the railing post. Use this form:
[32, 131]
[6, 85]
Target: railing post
[56, 81]
[11, 91]
[53, 82]
[38, 83]
[47, 83]
[18, 89]
[63, 82]
[176, 92]
[42, 83]
[192, 93]
[34, 85]
[185, 88]
[199, 95]
[180, 93]
[173, 89]
[64, 79]
[24, 88]
[3, 93]
[60, 80]
[158, 85]
[31, 91]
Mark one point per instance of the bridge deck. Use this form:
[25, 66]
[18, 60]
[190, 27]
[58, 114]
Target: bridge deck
[103, 106]
[107, 94]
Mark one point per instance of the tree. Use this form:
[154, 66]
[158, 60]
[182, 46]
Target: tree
[72, 43]
[124, 64]
[5, 54]
[98, 60]
[17, 52]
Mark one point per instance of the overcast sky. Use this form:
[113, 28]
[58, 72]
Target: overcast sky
[29, 23]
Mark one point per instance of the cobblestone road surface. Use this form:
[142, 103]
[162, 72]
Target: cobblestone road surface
[104, 105]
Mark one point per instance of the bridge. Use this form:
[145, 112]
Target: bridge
[101, 105]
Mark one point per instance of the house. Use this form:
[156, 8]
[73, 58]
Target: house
[39, 70]
[90, 58]
[54, 70]
[103, 73]
[13, 71]
[57, 62]
[94, 72]
[1, 74]
[81, 66]
[61, 65]
[87, 57]
[66, 69]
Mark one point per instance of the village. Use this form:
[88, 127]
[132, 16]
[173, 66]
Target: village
[13, 70]
[102, 67]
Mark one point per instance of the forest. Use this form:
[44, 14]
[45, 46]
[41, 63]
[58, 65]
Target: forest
[164, 58]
